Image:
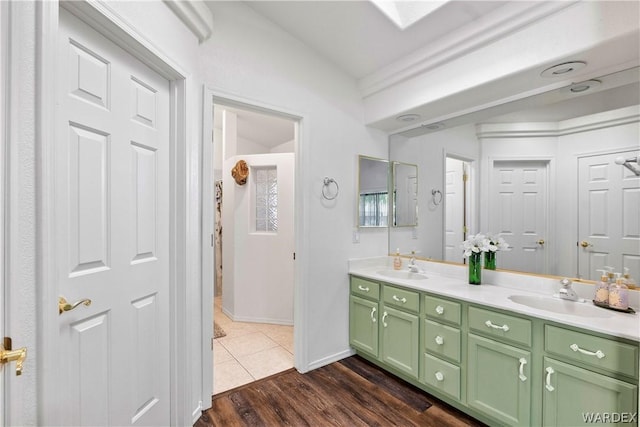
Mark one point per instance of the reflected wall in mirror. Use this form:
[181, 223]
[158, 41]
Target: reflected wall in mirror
[373, 192]
[405, 194]
[546, 178]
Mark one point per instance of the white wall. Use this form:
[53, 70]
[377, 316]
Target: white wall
[428, 152]
[251, 59]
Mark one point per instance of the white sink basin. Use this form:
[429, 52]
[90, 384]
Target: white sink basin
[555, 305]
[404, 275]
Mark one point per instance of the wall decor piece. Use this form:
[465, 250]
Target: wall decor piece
[240, 172]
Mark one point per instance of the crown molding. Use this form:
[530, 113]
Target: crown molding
[506, 20]
[589, 123]
[195, 15]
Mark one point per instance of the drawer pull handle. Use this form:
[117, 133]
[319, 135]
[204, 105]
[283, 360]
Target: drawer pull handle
[523, 362]
[599, 354]
[491, 325]
[373, 315]
[363, 288]
[440, 309]
[439, 340]
[384, 316]
[402, 300]
[439, 376]
[548, 385]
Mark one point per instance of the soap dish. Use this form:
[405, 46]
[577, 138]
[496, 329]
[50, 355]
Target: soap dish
[607, 306]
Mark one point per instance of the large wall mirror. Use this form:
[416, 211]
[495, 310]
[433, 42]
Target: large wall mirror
[373, 192]
[543, 171]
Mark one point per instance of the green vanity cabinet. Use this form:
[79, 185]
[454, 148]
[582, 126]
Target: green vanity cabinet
[501, 367]
[400, 330]
[499, 381]
[363, 315]
[575, 396]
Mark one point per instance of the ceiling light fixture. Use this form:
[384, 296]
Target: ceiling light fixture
[584, 86]
[408, 118]
[434, 126]
[563, 69]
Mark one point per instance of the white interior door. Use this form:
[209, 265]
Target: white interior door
[608, 219]
[518, 209]
[263, 258]
[112, 232]
[454, 230]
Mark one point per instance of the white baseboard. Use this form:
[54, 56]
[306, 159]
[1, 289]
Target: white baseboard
[329, 359]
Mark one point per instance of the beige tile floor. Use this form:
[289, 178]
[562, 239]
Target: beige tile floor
[249, 351]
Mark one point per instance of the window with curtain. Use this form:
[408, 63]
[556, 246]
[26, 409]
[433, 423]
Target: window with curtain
[374, 209]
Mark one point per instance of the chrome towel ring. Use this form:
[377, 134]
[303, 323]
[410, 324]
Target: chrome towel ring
[436, 197]
[325, 188]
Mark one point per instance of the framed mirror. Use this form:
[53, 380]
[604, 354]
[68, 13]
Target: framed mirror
[405, 194]
[373, 192]
[541, 169]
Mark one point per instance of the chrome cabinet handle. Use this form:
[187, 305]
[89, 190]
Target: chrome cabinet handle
[384, 316]
[523, 362]
[491, 325]
[439, 340]
[548, 385]
[363, 288]
[373, 313]
[599, 354]
[63, 305]
[402, 300]
[440, 309]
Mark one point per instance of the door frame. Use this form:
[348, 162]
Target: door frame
[103, 19]
[4, 143]
[215, 95]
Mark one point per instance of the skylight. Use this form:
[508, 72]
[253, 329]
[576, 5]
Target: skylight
[405, 13]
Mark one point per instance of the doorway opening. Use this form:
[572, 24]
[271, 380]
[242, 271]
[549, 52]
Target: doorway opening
[253, 172]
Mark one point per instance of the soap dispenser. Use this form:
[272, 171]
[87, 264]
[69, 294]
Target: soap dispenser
[602, 289]
[628, 280]
[619, 294]
[397, 261]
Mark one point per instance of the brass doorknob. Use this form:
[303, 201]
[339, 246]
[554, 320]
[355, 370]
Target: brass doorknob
[585, 244]
[541, 242]
[7, 355]
[63, 305]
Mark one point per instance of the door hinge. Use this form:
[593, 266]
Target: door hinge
[465, 177]
[294, 256]
[212, 240]
[212, 343]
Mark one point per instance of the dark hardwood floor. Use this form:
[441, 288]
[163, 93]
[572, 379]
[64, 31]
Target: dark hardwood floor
[352, 392]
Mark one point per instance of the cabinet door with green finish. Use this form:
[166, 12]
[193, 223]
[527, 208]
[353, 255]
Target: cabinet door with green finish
[499, 381]
[400, 340]
[575, 396]
[363, 325]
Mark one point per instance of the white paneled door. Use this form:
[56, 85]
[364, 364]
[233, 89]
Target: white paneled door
[608, 215]
[518, 210]
[112, 233]
[455, 218]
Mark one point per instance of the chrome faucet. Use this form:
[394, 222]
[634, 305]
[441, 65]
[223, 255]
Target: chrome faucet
[566, 291]
[413, 267]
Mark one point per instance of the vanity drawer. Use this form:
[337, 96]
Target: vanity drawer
[442, 309]
[442, 376]
[401, 298]
[588, 350]
[365, 288]
[442, 340]
[500, 326]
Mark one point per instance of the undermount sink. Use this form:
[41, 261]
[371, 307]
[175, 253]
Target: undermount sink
[556, 305]
[404, 275]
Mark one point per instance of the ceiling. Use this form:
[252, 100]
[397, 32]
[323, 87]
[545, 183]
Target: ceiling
[361, 41]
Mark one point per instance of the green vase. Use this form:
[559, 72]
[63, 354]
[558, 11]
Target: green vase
[490, 260]
[475, 269]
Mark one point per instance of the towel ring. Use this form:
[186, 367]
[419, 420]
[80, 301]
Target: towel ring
[326, 184]
[436, 200]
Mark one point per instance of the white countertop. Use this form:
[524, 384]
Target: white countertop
[450, 281]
